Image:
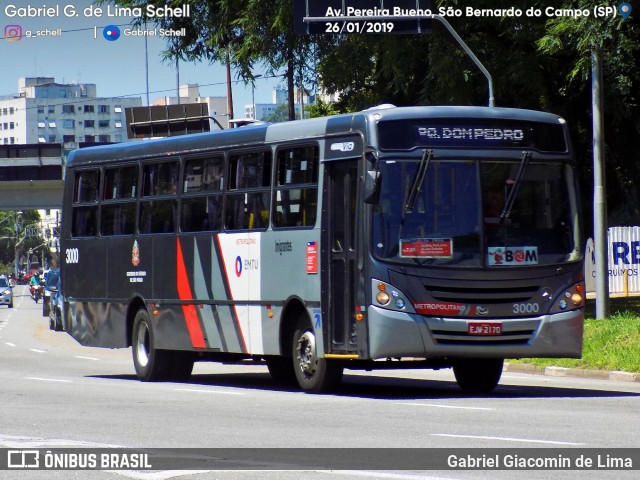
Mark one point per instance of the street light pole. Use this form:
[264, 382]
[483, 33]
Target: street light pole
[253, 96]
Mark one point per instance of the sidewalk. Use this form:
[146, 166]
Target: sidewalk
[612, 375]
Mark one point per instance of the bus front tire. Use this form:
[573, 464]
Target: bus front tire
[478, 375]
[314, 375]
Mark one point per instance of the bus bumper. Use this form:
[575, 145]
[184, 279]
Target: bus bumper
[399, 334]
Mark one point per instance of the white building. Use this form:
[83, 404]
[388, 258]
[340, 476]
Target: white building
[259, 111]
[190, 93]
[44, 111]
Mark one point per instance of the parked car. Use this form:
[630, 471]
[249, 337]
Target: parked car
[51, 280]
[6, 292]
[56, 308]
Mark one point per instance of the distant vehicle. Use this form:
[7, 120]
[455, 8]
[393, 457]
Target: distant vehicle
[50, 282]
[56, 306]
[6, 293]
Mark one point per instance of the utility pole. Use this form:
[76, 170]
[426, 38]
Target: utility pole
[599, 190]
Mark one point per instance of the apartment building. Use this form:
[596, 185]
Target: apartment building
[44, 111]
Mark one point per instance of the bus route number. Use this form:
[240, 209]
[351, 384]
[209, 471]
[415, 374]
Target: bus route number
[524, 308]
[72, 255]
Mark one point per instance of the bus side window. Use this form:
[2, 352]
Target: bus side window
[160, 178]
[85, 203]
[296, 192]
[247, 201]
[119, 201]
[158, 216]
[202, 194]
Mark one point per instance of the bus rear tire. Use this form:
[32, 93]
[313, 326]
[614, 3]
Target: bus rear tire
[314, 375]
[478, 375]
[150, 363]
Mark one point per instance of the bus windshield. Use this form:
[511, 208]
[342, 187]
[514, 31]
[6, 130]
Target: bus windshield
[476, 213]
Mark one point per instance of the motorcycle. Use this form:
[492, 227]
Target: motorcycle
[36, 292]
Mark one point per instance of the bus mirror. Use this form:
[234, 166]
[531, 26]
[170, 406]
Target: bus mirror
[372, 182]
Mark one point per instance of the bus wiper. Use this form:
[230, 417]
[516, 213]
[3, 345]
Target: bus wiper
[508, 204]
[416, 185]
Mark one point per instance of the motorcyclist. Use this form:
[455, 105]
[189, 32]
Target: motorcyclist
[34, 284]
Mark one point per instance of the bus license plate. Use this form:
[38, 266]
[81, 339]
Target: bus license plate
[484, 328]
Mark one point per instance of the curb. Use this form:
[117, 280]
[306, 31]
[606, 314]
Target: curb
[614, 375]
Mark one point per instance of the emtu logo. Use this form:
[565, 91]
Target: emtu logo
[111, 33]
[12, 33]
[238, 266]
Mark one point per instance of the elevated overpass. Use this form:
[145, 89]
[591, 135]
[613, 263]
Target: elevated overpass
[31, 176]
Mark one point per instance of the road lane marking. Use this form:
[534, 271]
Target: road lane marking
[40, 379]
[85, 358]
[196, 390]
[37, 350]
[506, 439]
[435, 405]
[10, 344]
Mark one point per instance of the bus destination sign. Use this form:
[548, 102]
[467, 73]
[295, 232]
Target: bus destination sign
[478, 133]
[473, 134]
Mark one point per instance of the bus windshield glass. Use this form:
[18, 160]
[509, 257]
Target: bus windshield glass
[476, 213]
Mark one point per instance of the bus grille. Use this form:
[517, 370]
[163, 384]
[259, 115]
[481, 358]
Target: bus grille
[481, 294]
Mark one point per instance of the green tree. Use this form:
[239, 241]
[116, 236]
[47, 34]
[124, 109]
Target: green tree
[241, 33]
[619, 42]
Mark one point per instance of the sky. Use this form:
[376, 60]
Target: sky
[116, 67]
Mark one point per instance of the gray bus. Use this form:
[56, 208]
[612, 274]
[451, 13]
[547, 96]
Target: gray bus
[409, 237]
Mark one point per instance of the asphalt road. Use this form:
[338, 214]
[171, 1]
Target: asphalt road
[56, 394]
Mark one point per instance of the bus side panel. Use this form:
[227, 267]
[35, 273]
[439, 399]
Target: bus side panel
[97, 324]
[86, 268]
[241, 265]
[290, 268]
[199, 309]
[130, 263]
[91, 320]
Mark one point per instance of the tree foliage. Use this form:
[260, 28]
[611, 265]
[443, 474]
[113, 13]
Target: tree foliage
[243, 33]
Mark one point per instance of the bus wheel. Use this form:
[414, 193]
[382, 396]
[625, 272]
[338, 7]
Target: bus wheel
[150, 363]
[478, 375]
[314, 375]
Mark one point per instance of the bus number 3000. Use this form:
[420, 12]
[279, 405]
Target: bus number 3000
[72, 255]
[526, 308]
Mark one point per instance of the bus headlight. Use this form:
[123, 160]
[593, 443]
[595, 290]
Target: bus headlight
[570, 299]
[389, 297]
[383, 298]
[577, 299]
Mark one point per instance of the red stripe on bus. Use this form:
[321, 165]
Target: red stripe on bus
[236, 319]
[184, 293]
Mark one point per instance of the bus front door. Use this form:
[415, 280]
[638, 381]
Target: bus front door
[339, 255]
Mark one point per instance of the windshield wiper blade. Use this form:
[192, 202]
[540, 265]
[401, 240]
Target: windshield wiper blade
[416, 185]
[508, 204]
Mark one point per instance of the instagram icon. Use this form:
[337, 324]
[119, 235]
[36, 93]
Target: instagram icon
[12, 33]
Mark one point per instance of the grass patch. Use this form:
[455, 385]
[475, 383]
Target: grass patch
[609, 344]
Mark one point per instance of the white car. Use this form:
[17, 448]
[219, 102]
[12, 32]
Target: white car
[6, 292]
